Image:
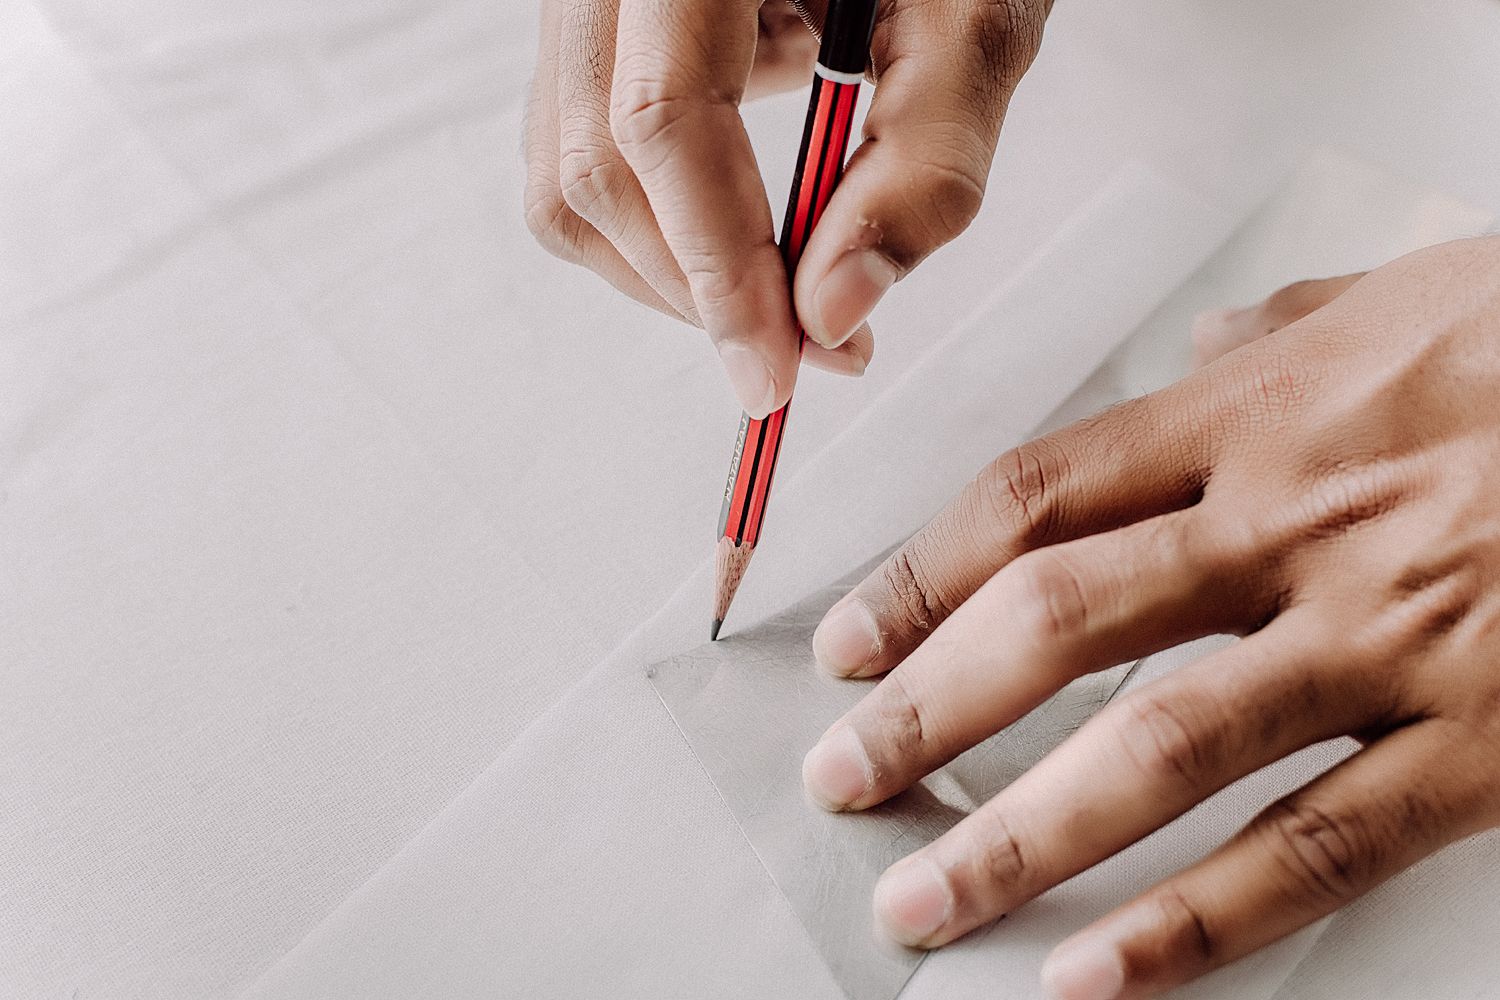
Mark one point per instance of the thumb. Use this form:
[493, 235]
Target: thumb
[945, 72]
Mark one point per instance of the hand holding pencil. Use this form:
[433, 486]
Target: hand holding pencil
[640, 169]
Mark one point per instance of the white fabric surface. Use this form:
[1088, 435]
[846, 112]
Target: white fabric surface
[292, 414]
[531, 911]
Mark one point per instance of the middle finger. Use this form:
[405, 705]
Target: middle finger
[1137, 765]
[1050, 616]
[603, 191]
[680, 70]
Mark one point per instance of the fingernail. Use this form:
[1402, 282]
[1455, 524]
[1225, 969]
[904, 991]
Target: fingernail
[750, 376]
[847, 295]
[1088, 967]
[912, 901]
[838, 362]
[837, 771]
[843, 363]
[847, 638]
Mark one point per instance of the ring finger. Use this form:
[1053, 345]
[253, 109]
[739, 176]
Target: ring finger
[1139, 764]
[1378, 812]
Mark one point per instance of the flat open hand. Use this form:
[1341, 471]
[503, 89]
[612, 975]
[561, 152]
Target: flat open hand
[1331, 492]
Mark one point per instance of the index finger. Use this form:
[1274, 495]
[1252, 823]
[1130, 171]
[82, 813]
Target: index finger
[1142, 458]
[680, 71]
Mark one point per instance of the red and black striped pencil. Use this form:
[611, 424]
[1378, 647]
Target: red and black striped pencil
[842, 56]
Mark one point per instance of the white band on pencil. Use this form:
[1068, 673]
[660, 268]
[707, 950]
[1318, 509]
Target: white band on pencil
[836, 76]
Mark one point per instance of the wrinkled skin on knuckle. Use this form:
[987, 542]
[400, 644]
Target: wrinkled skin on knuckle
[1165, 745]
[1051, 601]
[1184, 943]
[552, 223]
[1427, 606]
[591, 179]
[1335, 503]
[1007, 35]
[1276, 385]
[1255, 401]
[1329, 855]
[943, 196]
[643, 115]
[713, 286]
[1416, 556]
[996, 859]
[914, 599]
[1016, 493]
[654, 113]
[905, 731]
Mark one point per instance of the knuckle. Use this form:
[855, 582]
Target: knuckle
[1006, 35]
[915, 601]
[638, 106]
[1276, 384]
[716, 284]
[1017, 491]
[1188, 933]
[1232, 541]
[645, 112]
[1345, 496]
[904, 728]
[1052, 601]
[591, 180]
[1159, 738]
[551, 222]
[1429, 604]
[951, 193]
[1328, 855]
[1301, 299]
[642, 110]
[995, 854]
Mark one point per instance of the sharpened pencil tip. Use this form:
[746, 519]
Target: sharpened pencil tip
[713, 631]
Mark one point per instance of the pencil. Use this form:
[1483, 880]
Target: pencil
[842, 56]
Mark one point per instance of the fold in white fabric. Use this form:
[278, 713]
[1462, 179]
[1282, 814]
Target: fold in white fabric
[484, 946]
[321, 486]
[640, 883]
